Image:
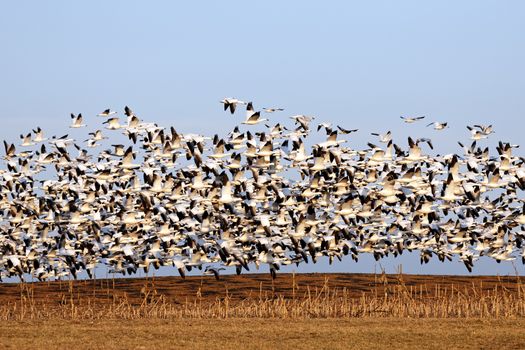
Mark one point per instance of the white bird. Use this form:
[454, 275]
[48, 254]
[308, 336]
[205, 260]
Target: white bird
[272, 110]
[254, 119]
[231, 103]
[76, 121]
[113, 124]
[26, 140]
[410, 120]
[39, 135]
[106, 113]
[438, 125]
[477, 134]
[384, 138]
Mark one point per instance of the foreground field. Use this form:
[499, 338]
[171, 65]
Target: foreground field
[266, 334]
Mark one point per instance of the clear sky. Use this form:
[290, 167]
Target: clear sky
[358, 64]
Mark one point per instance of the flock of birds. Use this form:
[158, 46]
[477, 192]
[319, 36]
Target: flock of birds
[249, 198]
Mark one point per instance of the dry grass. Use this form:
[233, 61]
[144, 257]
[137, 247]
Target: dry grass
[294, 297]
[336, 311]
[367, 333]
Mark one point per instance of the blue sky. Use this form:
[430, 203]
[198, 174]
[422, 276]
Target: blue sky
[357, 64]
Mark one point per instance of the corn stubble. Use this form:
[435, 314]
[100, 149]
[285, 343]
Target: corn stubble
[386, 299]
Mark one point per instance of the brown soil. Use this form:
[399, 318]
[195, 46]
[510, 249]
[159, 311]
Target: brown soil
[250, 286]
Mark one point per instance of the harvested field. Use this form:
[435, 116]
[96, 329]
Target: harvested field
[257, 295]
[369, 333]
[336, 311]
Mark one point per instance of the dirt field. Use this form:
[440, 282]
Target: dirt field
[249, 286]
[307, 311]
[266, 334]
